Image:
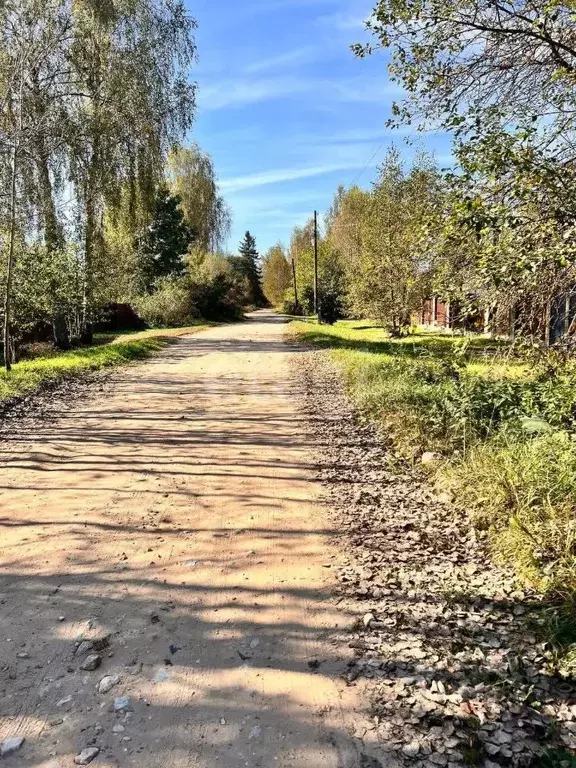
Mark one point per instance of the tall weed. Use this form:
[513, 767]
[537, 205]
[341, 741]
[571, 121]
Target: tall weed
[524, 492]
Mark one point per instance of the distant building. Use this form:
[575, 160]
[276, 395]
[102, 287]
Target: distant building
[434, 313]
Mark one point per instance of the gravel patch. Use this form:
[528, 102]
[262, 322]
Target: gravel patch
[448, 641]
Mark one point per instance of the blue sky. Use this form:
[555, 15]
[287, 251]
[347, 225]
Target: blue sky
[287, 111]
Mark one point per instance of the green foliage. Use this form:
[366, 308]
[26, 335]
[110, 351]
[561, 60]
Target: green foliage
[507, 236]
[169, 305]
[460, 63]
[376, 254]
[554, 758]
[92, 95]
[249, 267]
[290, 307]
[192, 179]
[211, 289]
[166, 240]
[388, 281]
[332, 282]
[217, 290]
[276, 275]
[524, 491]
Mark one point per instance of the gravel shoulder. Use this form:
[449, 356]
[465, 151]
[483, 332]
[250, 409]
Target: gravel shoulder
[451, 646]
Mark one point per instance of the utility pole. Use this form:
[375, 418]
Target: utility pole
[316, 304]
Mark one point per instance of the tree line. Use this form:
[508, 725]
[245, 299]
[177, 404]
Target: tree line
[102, 203]
[497, 229]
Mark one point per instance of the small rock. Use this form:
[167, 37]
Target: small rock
[107, 683]
[84, 647]
[430, 457]
[91, 662]
[11, 745]
[64, 701]
[255, 733]
[55, 721]
[61, 618]
[161, 676]
[438, 759]
[411, 750]
[23, 655]
[118, 728]
[367, 619]
[86, 756]
[122, 704]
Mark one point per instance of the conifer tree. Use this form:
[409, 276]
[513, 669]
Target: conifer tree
[249, 264]
[167, 239]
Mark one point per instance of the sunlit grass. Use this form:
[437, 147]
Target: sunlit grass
[472, 409]
[487, 356]
[109, 350]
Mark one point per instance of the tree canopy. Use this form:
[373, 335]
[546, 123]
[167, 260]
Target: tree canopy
[249, 265]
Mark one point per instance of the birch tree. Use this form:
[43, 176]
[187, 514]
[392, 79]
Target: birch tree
[193, 179]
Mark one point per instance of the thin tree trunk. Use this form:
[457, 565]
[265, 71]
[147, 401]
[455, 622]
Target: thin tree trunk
[86, 335]
[10, 265]
[54, 241]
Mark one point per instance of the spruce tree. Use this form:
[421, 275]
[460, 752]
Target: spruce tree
[250, 268]
[167, 239]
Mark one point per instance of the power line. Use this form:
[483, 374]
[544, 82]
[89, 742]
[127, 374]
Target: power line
[361, 172]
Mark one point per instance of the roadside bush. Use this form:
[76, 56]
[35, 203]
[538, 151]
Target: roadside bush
[169, 306]
[217, 290]
[331, 308]
[211, 289]
[290, 307]
[524, 492]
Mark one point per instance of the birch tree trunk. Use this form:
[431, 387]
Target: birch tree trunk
[10, 263]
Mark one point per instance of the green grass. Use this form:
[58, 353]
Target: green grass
[407, 383]
[109, 350]
[505, 431]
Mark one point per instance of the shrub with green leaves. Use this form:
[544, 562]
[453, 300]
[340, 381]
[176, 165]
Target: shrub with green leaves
[169, 306]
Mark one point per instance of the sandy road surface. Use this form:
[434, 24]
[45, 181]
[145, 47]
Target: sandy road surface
[174, 507]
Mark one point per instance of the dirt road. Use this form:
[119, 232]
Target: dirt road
[172, 519]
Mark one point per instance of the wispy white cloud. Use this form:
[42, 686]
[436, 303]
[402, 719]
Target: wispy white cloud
[243, 91]
[296, 56]
[282, 199]
[269, 6]
[264, 178]
[342, 21]
[239, 92]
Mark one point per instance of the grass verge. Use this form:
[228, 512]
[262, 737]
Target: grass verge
[109, 350]
[504, 431]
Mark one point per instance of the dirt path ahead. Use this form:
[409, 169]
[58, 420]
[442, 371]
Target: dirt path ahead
[171, 518]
